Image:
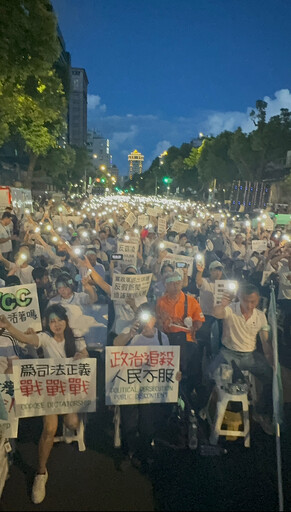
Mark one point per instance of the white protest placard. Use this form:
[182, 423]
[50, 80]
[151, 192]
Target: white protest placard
[20, 305]
[217, 217]
[221, 287]
[143, 220]
[179, 258]
[269, 224]
[129, 252]
[54, 386]
[126, 286]
[130, 219]
[180, 227]
[141, 374]
[152, 212]
[259, 245]
[162, 224]
[8, 421]
[134, 239]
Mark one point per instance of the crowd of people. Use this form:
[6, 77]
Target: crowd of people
[71, 251]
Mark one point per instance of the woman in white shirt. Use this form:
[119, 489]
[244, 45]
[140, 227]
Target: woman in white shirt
[58, 341]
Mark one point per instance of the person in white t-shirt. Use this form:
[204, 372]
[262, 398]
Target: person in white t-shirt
[5, 235]
[242, 322]
[59, 341]
[139, 422]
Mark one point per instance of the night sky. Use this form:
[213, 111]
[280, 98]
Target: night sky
[161, 71]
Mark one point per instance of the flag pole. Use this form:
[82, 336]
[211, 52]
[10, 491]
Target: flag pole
[276, 392]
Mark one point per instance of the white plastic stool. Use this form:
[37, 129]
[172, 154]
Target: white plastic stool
[222, 399]
[69, 436]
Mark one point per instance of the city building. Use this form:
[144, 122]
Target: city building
[63, 69]
[78, 108]
[135, 163]
[115, 172]
[99, 150]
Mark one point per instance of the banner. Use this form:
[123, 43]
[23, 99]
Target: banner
[179, 227]
[259, 245]
[141, 374]
[176, 258]
[143, 220]
[130, 219]
[129, 252]
[20, 305]
[130, 286]
[8, 421]
[282, 219]
[54, 386]
[162, 225]
[152, 212]
[221, 287]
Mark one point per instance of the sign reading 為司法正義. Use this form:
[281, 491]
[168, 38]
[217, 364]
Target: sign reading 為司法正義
[54, 386]
[141, 374]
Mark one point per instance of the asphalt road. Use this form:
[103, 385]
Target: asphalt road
[244, 479]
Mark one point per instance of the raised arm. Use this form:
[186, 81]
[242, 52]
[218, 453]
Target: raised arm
[97, 278]
[219, 311]
[29, 339]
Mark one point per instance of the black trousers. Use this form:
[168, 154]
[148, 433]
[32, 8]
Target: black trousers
[190, 360]
[139, 423]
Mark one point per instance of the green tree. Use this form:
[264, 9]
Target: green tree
[215, 162]
[57, 164]
[32, 102]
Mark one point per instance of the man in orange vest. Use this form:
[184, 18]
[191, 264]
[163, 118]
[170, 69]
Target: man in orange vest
[180, 317]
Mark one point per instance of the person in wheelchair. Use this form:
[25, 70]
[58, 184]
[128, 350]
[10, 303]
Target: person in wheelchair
[58, 341]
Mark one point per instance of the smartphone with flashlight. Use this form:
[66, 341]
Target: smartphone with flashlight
[231, 287]
[116, 257]
[181, 264]
[143, 320]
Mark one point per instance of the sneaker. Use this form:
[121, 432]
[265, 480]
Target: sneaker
[265, 422]
[38, 488]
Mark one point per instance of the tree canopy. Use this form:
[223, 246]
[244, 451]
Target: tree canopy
[32, 100]
[255, 156]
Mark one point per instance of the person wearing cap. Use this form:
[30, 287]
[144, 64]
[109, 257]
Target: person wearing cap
[207, 290]
[180, 317]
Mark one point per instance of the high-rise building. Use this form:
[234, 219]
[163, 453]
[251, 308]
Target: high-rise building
[115, 172]
[135, 163]
[63, 69]
[99, 151]
[78, 108]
